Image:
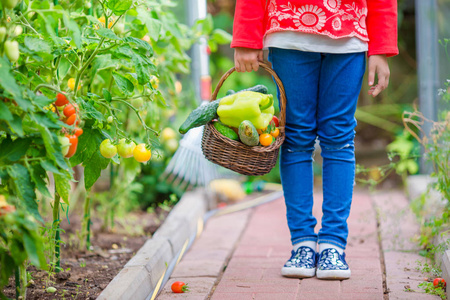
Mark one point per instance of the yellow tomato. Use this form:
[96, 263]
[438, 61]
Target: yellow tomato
[141, 153]
[275, 133]
[71, 84]
[266, 139]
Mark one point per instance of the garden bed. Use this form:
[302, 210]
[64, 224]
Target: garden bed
[87, 273]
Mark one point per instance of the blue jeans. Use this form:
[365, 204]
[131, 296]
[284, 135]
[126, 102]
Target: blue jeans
[322, 92]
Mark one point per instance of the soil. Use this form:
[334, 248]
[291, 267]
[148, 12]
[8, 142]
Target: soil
[86, 273]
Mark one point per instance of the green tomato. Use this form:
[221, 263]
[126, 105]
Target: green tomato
[65, 144]
[87, 4]
[12, 50]
[137, 103]
[18, 30]
[110, 119]
[107, 149]
[125, 148]
[119, 28]
[171, 145]
[9, 3]
[2, 33]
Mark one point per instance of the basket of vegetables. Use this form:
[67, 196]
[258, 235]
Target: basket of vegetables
[241, 132]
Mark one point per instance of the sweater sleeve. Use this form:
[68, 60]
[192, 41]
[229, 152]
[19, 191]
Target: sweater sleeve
[382, 27]
[248, 25]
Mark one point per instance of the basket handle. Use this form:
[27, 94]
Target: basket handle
[277, 81]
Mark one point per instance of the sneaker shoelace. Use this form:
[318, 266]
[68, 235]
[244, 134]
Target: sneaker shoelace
[331, 260]
[304, 257]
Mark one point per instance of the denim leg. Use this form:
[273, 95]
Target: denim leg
[299, 71]
[339, 88]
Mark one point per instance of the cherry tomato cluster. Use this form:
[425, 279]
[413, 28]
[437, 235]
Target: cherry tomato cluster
[268, 135]
[69, 141]
[125, 149]
[11, 47]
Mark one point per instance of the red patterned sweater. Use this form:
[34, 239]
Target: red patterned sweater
[374, 21]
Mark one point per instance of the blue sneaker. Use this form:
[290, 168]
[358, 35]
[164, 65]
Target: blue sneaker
[302, 263]
[332, 265]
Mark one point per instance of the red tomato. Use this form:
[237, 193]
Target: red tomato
[276, 121]
[78, 131]
[179, 287]
[71, 120]
[73, 139]
[439, 282]
[69, 110]
[61, 100]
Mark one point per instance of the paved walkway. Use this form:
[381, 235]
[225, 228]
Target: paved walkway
[239, 256]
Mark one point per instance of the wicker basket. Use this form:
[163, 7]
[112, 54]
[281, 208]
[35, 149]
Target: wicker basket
[235, 155]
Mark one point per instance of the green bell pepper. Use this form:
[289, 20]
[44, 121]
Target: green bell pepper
[254, 107]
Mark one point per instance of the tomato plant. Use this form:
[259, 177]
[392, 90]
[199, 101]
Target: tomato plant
[59, 57]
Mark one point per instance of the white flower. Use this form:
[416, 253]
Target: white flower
[332, 5]
[336, 23]
[310, 16]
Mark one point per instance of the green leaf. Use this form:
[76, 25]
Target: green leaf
[52, 147]
[139, 43]
[74, 31]
[119, 7]
[24, 188]
[30, 247]
[49, 166]
[221, 36]
[38, 175]
[5, 114]
[93, 168]
[13, 150]
[7, 81]
[107, 33]
[124, 85]
[63, 186]
[37, 45]
[107, 95]
[16, 125]
[64, 67]
[153, 25]
[8, 267]
[143, 74]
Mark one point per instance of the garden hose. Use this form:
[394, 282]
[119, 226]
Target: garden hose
[276, 193]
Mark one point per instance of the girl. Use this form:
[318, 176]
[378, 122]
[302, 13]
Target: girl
[318, 49]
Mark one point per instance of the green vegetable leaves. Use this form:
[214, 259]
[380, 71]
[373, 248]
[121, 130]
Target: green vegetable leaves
[119, 7]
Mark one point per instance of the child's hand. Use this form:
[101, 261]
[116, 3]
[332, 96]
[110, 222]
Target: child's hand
[246, 59]
[378, 64]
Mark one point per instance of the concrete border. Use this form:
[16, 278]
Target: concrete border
[141, 274]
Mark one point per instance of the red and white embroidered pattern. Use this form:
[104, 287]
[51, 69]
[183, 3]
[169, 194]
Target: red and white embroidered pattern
[334, 18]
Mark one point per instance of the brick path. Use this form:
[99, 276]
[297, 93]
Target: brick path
[239, 256]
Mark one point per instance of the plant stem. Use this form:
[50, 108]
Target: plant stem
[21, 281]
[86, 221]
[57, 239]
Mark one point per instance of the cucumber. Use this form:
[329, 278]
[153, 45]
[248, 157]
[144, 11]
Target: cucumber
[200, 116]
[257, 88]
[248, 133]
[207, 112]
[226, 131]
